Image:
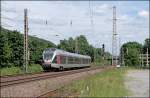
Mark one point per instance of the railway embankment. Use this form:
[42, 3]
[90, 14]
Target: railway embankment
[122, 82]
[109, 83]
[41, 86]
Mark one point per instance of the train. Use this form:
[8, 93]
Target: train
[58, 59]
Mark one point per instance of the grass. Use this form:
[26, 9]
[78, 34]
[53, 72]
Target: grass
[34, 68]
[107, 84]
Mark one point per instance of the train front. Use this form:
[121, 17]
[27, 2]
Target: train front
[47, 58]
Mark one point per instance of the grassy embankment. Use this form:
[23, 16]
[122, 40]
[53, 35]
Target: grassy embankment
[107, 84]
[17, 70]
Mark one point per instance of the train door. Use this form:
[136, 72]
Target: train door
[58, 59]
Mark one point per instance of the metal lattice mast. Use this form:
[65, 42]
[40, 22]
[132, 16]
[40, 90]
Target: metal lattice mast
[114, 38]
[76, 45]
[147, 58]
[25, 40]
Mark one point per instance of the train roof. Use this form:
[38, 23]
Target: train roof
[59, 51]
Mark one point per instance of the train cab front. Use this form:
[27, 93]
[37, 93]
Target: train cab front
[46, 65]
[47, 59]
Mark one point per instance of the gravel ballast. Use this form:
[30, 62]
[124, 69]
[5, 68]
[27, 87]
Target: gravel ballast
[36, 88]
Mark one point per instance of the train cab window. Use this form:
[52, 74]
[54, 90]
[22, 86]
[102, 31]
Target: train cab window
[55, 60]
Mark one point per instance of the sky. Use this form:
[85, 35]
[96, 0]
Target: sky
[73, 18]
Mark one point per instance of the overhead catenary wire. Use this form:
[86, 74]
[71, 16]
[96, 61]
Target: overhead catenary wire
[91, 17]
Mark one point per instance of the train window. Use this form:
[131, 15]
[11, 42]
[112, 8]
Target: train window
[70, 60]
[54, 60]
[63, 59]
[48, 55]
[76, 60]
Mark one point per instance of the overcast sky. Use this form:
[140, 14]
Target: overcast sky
[73, 18]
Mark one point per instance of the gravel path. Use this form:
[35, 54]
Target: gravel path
[137, 81]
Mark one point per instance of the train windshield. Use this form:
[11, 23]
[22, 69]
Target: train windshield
[48, 56]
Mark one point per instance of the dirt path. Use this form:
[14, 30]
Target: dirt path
[137, 81]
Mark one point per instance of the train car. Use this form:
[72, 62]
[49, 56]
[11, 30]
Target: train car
[59, 59]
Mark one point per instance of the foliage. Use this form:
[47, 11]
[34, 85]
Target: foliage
[84, 48]
[36, 47]
[106, 84]
[146, 45]
[34, 68]
[11, 48]
[131, 52]
[10, 71]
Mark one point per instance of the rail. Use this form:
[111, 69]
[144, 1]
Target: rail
[9, 81]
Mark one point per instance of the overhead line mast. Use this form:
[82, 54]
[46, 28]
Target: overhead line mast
[26, 52]
[114, 38]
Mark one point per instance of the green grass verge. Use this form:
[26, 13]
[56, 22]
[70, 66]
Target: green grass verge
[34, 68]
[107, 84]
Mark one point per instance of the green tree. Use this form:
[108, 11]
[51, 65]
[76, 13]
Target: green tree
[11, 48]
[16, 40]
[83, 45]
[132, 52]
[7, 54]
[146, 45]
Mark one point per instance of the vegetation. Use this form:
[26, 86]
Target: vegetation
[35, 68]
[132, 50]
[11, 48]
[107, 84]
[146, 45]
[84, 48]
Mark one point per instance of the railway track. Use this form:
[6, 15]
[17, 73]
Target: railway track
[14, 80]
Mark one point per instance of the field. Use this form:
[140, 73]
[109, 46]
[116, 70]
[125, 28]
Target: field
[18, 70]
[107, 84]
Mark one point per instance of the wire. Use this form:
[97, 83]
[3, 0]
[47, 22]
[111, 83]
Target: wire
[8, 18]
[6, 24]
[91, 17]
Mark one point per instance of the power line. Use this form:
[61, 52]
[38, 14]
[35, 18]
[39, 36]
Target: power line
[91, 17]
[9, 10]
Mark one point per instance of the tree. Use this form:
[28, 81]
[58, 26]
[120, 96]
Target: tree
[83, 45]
[7, 54]
[11, 48]
[16, 40]
[146, 45]
[131, 52]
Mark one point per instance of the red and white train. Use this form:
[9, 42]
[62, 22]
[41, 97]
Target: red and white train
[59, 59]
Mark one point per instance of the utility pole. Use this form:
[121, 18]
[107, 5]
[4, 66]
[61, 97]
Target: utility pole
[114, 38]
[147, 57]
[95, 54]
[76, 45]
[103, 51]
[26, 55]
[122, 57]
[120, 51]
[142, 60]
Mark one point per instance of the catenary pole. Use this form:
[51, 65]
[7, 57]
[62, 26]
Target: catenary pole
[26, 56]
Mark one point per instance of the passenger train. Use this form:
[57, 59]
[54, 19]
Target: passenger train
[59, 59]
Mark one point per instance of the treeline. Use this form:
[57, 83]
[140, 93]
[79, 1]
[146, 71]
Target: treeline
[131, 52]
[11, 48]
[83, 47]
